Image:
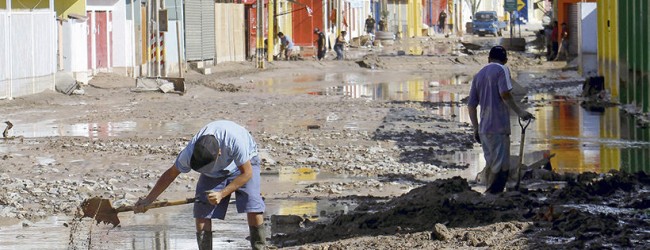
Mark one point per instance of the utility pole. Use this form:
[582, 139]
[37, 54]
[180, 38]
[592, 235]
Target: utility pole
[338, 17]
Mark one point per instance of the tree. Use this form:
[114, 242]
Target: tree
[473, 5]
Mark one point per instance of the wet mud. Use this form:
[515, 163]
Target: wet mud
[559, 215]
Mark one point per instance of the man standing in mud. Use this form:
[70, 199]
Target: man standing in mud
[441, 21]
[226, 156]
[320, 44]
[491, 89]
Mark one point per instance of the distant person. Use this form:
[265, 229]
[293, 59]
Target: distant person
[442, 18]
[286, 45]
[491, 89]
[548, 34]
[382, 24]
[338, 46]
[554, 41]
[320, 42]
[226, 156]
[370, 25]
[564, 45]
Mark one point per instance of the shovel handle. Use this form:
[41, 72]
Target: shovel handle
[521, 150]
[158, 204]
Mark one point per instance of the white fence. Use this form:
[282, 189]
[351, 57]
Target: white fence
[27, 52]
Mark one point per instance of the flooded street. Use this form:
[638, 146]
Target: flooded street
[581, 140]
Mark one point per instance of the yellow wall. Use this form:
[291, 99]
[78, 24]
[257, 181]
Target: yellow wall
[26, 4]
[65, 7]
[62, 7]
[608, 45]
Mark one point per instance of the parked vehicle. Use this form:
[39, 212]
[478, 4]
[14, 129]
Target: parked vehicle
[487, 22]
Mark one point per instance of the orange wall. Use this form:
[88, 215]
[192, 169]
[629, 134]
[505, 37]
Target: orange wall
[562, 8]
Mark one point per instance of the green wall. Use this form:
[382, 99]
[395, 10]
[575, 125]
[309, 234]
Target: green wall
[634, 52]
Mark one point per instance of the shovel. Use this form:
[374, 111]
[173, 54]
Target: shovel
[521, 150]
[102, 211]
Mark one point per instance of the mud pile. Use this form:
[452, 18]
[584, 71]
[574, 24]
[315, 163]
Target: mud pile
[591, 210]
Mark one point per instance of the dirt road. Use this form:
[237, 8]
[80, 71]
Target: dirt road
[114, 142]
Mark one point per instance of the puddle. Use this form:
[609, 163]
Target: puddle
[600, 209]
[166, 228]
[99, 130]
[582, 140]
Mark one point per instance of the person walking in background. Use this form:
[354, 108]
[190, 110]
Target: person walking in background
[442, 18]
[564, 43]
[491, 89]
[226, 156]
[554, 41]
[370, 25]
[338, 46]
[286, 45]
[320, 42]
[548, 34]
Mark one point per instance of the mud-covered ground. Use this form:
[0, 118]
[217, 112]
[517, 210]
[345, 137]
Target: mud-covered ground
[589, 211]
[392, 151]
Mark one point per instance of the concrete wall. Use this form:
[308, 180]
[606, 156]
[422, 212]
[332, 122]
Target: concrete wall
[588, 28]
[588, 39]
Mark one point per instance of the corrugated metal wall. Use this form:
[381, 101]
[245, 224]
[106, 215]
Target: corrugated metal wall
[303, 22]
[28, 52]
[634, 53]
[573, 23]
[199, 30]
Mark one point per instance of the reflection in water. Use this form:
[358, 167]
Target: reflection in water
[584, 140]
[98, 130]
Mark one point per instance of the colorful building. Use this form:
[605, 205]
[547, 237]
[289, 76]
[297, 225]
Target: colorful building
[623, 50]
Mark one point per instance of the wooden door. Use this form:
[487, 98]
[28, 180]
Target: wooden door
[103, 41]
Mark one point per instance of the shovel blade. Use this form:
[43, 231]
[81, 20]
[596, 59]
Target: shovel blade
[101, 210]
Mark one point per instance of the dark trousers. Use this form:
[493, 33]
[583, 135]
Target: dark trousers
[554, 46]
[496, 182]
[339, 51]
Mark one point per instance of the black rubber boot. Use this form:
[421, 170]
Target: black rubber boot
[258, 237]
[496, 182]
[204, 240]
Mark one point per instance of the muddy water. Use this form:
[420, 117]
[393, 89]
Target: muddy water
[581, 140]
[171, 227]
[100, 130]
